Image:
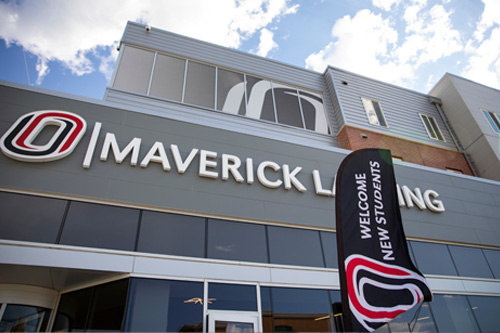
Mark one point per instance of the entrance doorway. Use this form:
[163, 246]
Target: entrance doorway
[233, 321]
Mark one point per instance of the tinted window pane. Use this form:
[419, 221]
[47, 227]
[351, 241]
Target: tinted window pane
[486, 309]
[108, 306]
[172, 234]
[236, 241]
[134, 70]
[267, 309]
[24, 318]
[453, 314]
[493, 258]
[168, 78]
[164, 306]
[301, 310]
[433, 258]
[30, 218]
[287, 105]
[329, 241]
[100, 226]
[314, 111]
[223, 296]
[417, 319]
[470, 261]
[230, 92]
[260, 99]
[290, 246]
[73, 310]
[200, 85]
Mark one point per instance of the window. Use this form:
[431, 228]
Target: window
[100, 226]
[200, 85]
[230, 92]
[224, 296]
[433, 258]
[134, 71]
[168, 78]
[374, 112]
[432, 127]
[287, 105]
[30, 218]
[260, 103]
[23, 318]
[493, 119]
[313, 111]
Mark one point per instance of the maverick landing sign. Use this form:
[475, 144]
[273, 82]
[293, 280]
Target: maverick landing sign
[377, 277]
[20, 143]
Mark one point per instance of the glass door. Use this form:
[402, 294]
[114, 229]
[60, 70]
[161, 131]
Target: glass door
[233, 321]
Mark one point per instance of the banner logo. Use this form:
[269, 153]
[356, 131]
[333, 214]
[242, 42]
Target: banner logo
[19, 141]
[369, 284]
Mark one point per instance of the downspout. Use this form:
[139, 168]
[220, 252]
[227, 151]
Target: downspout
[437, 102]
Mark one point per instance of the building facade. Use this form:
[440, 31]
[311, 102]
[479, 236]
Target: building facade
[199, 196]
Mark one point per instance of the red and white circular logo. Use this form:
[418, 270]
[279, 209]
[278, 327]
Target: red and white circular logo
[18, 142]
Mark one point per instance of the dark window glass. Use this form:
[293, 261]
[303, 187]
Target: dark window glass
[260, 103]
[314, 111]
[493, 257]
[168, 78]
[417, 319]
[336, 301]
[470, 261]
[291, 246]
[200, 85]
[236, 241]
[164, 306]
[452, 313]
[222, 296]
[97, 308]
[134, 70]
[329, 241]
[287, 105]
[73, 311]
[100, 226]
[433, 258]
[172, 234]
[29, 218]
[108, 306]
[230, 92]
[24, 318]
[486, 309]
[299, 310]
[267, 309]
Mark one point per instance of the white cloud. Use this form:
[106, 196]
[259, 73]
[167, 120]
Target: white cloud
[69, 31]
[489, 18]
[266, 44]
[385, 4]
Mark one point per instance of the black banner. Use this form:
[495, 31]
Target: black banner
[377, 277]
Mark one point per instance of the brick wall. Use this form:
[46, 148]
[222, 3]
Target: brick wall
[354, 138]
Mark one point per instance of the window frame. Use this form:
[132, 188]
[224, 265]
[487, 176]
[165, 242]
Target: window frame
[493, 119]
[434, 126]
[364, 101]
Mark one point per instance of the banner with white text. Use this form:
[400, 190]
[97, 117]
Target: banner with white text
[377, 277]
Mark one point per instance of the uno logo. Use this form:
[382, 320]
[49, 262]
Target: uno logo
[370, 283]
[18, 142]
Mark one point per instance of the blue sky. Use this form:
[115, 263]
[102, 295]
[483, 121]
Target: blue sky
[70, 46]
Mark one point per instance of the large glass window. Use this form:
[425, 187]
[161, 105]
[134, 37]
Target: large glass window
[24, 318]
[432, 258]
[164, 306]
[470, 261]
[223, 296]
[329, 242]
[200, 85]
[486, 310]
[493, 258]
[260, 104]
[417, 319]
[97, 308]
[313, 111]
[374, 112]
[230, 92]
[134, 71]
[287, 105]
[236, 241]
[297, 310]
[172, 234]
[168, 77]
[452, 313]
[291, 246]
[100, 226]
[29, 218]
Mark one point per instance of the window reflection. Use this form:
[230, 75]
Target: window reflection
[230, 92]
[260, 103]
[24, 318]
[232, 297]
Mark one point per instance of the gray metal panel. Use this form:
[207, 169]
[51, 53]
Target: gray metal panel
[401, 107]
[472, 205]
[462, 104]
[337, 116]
